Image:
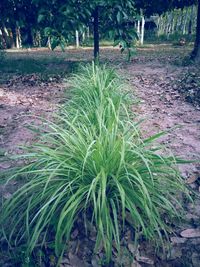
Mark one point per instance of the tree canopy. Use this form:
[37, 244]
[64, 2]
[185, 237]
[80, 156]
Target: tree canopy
[59, 19]
[151, 7]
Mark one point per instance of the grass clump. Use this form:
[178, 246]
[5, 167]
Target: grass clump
[92, 163]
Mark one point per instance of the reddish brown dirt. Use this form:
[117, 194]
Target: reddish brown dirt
[163, 108]
[20, 105]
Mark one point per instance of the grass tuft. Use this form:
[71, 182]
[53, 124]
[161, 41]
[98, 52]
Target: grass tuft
[92, 163]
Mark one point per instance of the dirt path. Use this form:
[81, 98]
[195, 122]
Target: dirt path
[20, 104]
[163, 108]
[22, 101]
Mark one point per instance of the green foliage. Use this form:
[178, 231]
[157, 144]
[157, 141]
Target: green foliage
[126, 46]
[120, 26]
[91, 163]
[126, 40]
[114, 19]
[56, 38]
[151, 7]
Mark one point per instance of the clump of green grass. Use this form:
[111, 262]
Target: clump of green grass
[98, 94]
[92, 163]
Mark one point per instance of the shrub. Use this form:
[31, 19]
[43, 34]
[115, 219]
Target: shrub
[96, 167]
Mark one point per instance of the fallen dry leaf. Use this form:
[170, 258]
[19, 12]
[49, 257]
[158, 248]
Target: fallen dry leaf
[145, 260]
[191, 233]
[192, 179]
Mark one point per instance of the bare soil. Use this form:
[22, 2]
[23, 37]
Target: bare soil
[153, 76]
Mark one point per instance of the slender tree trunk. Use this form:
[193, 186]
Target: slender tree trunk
[196, 52]
[191, 21]
[169, 26]
[179, 20]
[185, 22]
[4, 37]
[142, 31]
[189, 29]
[13, 37]
[161, 25]
[18, 38]
[96, 33]
[173, 22]
[88, 32]
[138, 28]
[37, 39]
[77, 39]
[182, 20]
[49, 43]
[166, 23]
[83, 36]
[158, 26]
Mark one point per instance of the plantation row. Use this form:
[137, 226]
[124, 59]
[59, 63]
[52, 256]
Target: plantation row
[91, 162]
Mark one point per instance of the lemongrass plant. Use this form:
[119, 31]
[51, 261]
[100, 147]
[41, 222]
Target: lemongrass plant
[98, 92]
[95, 166]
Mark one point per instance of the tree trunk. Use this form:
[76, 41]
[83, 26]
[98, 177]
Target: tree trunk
[13, 37]
[49, 43]
[161, 25]
[4, 37]
[18, 38]
[185, 22]
[96, 33]
[77, 39]
[83, 37]
[88, 32]
[172, 24]
[190, 21]
[138, 28]
[169, 22]
[179, 21]
[37, 39]
[196, 52]
[142, 31]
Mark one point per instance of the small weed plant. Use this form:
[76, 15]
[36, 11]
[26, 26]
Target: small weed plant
[92, 163]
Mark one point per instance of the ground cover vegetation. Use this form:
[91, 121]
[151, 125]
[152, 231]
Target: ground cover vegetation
[91, 162]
